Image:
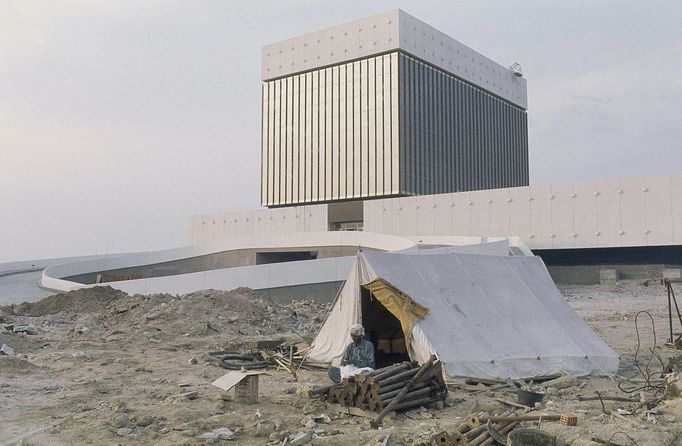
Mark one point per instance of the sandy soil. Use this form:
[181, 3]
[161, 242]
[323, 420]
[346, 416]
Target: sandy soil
[108, 368]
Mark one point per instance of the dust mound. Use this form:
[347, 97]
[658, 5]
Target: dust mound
[86, 300]
[242, 312]
[242, 300]
[11, 365]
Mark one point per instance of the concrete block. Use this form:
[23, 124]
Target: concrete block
[6, 350]
[609, 276]
[673, 274]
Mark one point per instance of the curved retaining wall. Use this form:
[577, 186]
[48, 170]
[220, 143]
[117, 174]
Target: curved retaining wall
[256, 276]
[259, 277]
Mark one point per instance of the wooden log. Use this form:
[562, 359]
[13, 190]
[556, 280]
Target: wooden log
[360, 377]
[412, 394]
[485, 435]
[334, 394]
[474, 420]
[463, 428]
[475, 432]
[338, 394]
[347, 396]
[466, 425]
[545, 417]
[607, 398]
[388, 388]
[343, 396]
[301, 351]
[391, 371]
[371, 405]
[416, 403]
[393, 393]
[442, 439]
[375, 423]
[361, 387]
[491, 388]
[407, 364]
[282, 364]
[384, 369]
[402, 376]
[320, 390]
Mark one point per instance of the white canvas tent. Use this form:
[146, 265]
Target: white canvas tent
[484, 316]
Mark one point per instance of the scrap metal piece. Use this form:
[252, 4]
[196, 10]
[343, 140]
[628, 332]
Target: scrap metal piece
[502, 439]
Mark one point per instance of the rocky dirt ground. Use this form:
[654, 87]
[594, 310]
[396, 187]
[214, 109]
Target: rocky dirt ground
[105, 368]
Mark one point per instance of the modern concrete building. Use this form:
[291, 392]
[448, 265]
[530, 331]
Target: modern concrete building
[387, 106]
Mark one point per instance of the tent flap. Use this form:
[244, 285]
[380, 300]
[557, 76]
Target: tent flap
[400, 305]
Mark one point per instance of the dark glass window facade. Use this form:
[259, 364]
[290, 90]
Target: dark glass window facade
[455, 136]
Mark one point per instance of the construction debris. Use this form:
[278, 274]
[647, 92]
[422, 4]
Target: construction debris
[28, 329]
[480, 429]
[6, 350]
[137, 382]
[271, 353]
[244, 383]
[235, 360]
[398, 387]
[222, 433]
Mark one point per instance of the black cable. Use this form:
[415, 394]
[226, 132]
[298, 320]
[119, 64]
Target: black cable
[644, 371]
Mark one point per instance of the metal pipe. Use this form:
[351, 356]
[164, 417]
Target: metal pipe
[670, 311]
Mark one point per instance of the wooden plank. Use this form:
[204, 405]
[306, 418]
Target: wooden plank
[511, 403]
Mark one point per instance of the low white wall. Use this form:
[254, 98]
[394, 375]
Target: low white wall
[257, 277]
[645, 211]
[219, 226]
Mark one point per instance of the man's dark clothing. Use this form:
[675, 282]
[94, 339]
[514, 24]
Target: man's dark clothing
[361, 355]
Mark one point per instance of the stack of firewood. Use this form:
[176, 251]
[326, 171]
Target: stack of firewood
[378, 389]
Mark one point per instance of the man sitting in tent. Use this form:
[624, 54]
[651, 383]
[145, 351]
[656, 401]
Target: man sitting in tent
[357, 358]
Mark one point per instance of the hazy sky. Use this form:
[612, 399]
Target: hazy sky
[118, 120]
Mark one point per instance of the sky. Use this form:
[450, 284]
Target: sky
[120, 119]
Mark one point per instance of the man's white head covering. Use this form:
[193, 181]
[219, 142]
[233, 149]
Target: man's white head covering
[357, 329]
